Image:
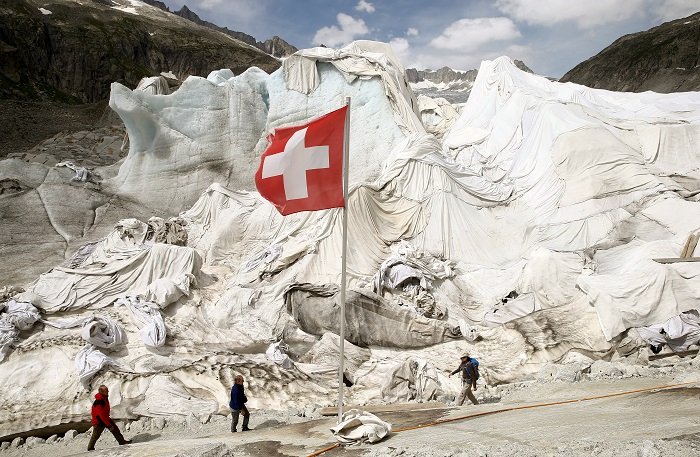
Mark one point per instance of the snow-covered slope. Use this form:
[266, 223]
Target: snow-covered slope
[526, 237]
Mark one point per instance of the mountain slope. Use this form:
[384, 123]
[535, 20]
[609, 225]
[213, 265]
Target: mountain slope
[71, 52]
[662, 59]
[275, 46]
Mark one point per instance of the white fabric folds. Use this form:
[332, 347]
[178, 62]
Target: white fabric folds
[360, 59]
[277, 352]
[414, 379]
[358, 426]
[15, 317]
[153, 333]
[104, 332]
[89, 361]
[678, 332]
[97, 286]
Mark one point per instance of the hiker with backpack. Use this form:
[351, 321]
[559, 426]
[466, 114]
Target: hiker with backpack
[470, 373]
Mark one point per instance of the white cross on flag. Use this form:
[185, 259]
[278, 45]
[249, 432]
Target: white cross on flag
[302, 168]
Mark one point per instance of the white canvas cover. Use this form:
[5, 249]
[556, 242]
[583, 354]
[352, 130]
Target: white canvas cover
[413, 380]
[357, 426]
[679, 332]
[98, 286]
[153, 332]
[14, 317]
[359, 59]
[559, 193]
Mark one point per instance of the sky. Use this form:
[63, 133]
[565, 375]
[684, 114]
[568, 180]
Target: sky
[550, 36]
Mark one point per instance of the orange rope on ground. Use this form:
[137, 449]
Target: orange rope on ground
[324, 450]
[562, 402]
[514, 408]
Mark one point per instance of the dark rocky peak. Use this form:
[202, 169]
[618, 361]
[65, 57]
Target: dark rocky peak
[448, 75]
[520, 64]
[276, 46]
[189, 15]
[662, 59]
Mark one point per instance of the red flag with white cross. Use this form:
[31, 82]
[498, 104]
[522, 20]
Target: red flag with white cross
[302, 168]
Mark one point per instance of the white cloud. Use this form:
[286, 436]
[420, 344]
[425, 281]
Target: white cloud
[519, 52]
[209, 4]
[365, 6]
[465, 61]
[468, 35]
[334, 36]
[247, 11]
[401, 48]
[586, 14]
[674, 9]
[412, 32]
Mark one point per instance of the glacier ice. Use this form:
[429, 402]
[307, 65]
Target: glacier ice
[531, 226]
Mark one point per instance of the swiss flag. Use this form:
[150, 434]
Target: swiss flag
[302, 168]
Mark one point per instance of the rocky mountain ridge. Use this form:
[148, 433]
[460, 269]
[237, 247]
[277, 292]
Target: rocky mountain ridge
[662, 59]
[274, 46]
[447, 75]
[453, 85]
[71, 52]
[444, 75]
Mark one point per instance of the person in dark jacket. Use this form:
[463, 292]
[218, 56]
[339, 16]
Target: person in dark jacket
[468, 380]
[101, 419]
[237, 404]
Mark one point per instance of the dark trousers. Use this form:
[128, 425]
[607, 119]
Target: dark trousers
[234, 418]
[97, 431]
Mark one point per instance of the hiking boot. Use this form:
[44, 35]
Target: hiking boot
[245, 429]
[126, 442]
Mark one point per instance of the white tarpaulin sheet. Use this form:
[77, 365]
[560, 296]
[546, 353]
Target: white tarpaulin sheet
[15, 317]
[358, 426]
[94, 286]
[556, 192]
[153, 332]
[678, 332]
[277, 352]
[89, 361]
[360, 59]
[412, 380]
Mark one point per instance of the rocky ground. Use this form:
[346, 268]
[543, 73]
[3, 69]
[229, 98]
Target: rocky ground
[88, 135]
[610, 409]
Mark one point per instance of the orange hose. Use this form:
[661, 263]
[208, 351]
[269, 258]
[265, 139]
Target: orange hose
[514, 408]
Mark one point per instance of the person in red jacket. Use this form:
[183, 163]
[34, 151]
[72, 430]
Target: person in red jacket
[101, 419]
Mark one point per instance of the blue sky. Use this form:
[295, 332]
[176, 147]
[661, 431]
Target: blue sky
[550, 36]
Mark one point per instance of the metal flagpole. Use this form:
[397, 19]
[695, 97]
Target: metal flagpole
[346, 168]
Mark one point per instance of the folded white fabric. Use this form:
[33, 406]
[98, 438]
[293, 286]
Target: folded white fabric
[358, 426]
[98, 330]
[14, 317]
[154, 332]
[277, 352]
[89, 361]
[104, 332]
